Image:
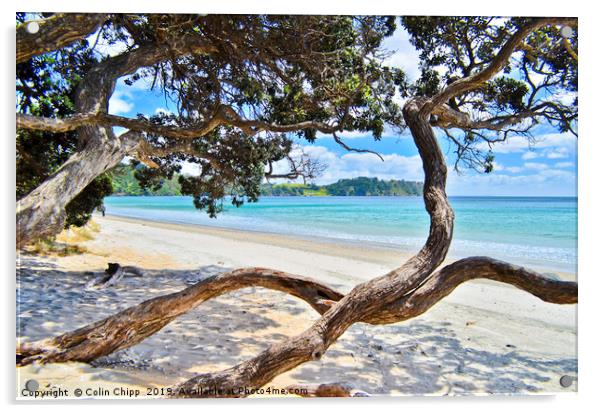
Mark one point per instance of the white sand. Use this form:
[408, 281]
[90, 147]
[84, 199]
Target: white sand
[485, 338]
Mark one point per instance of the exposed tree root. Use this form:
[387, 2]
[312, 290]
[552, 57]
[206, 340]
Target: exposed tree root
[136, 323]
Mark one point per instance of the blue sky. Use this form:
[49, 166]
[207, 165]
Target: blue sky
[547, 167]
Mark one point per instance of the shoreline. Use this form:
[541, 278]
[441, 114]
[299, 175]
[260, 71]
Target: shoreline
[485, 337]
[382, 253]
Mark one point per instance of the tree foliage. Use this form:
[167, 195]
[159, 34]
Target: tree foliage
[260, 82]
[537, 85]
[245, 87]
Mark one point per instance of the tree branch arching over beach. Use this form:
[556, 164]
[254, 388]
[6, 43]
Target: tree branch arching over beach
[242, 83]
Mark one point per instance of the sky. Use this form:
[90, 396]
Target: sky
[545, 167]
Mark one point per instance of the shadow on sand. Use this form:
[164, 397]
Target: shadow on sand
[415, 357]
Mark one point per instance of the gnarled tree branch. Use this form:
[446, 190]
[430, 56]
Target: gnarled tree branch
[223, 116]
[55, 32]
[136, 323]
[37, 217]
[474, 81]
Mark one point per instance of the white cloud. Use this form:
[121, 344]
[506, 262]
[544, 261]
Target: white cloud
[537, 178]
[345, 135]
[118, 104]
[352, 165]
[404, 55]
[103, 48]
[557, 153]
[530, 155]
[497, 167]
[519, 144]
[163, 111]
[388, 132]
[548, 182]
[565, 97]
[190, 169]
[564, 165]
[141, 84]
[536, 165]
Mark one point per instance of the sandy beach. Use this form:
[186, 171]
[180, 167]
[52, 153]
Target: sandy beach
[485, 338]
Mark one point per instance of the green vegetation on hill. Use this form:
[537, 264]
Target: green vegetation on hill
[125, 183]
[292, 190]
[361, 186]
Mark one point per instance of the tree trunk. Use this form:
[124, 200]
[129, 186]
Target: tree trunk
[368, 301]
[41, 213]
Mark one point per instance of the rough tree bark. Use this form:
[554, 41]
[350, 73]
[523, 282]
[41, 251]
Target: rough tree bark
[55, 32]
[401, 294]
[42, 212]
[136, 323]
[125, 329]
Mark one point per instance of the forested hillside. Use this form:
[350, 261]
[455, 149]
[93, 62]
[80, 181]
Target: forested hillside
[125, 183]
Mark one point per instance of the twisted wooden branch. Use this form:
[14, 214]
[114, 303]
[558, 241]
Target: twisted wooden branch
[223, 116]
[501, 59]
[55, 32]
[134, 324]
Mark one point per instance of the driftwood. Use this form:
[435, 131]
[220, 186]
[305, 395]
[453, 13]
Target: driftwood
[113, 274]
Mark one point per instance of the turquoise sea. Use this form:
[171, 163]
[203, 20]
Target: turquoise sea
[539, 232]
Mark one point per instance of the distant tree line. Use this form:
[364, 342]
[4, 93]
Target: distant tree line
[125, 183]
[361, 186]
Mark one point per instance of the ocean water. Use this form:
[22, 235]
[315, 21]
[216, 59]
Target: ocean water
[531, 231]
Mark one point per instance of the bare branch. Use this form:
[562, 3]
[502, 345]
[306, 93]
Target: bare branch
[350, 149]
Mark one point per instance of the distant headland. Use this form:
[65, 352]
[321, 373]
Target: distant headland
[125, 183]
